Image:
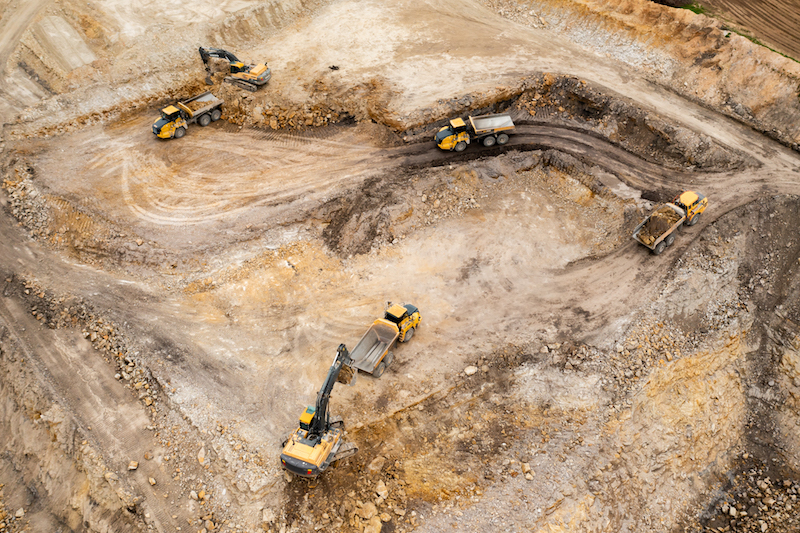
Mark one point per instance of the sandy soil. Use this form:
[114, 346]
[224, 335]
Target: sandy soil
[563, 378]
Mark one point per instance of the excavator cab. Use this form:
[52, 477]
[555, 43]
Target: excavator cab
[307, 417]
[238, 66]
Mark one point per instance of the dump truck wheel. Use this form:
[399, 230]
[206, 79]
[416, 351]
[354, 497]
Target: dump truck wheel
[408, 335]
[204, 120]
[502, 138]
[670, 239]
[180, 132]
[461, 146]
[660, 248]
[693, 220]
[489, 141]
[379, 371]
[215, 115]
[388, 359]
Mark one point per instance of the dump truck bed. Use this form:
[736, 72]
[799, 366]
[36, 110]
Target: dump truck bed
[658, 225]
[374, 345]
[492, 123]
[199, 104]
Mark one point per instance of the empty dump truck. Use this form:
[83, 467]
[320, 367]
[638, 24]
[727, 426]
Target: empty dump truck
[489, 129]
[372, 353]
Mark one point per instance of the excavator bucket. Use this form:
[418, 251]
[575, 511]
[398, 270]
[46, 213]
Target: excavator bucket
[347, 375]
[209, 81]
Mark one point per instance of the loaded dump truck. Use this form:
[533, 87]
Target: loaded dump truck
[372, 353]
[204, 109]
[658, 230]
[489, 129]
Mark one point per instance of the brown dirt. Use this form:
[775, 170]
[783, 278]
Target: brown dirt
[773, 23]
[177, 303]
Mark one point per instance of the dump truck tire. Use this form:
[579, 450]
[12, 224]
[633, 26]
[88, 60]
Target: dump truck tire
[461, 146]
[379, 371]
[204, 120]
[409, 333]
[489, 141]
[388, 359]
[502, 138]
[180, 132]
[670, 239]
[693, 220]
[215, 115]
[659, 248]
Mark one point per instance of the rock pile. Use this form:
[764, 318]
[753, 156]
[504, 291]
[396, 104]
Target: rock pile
[759, 504]
[28, 204]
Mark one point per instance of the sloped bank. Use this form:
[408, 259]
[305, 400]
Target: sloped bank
[694, 55]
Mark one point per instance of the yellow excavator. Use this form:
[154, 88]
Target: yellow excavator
[248, 77]
[319, 441]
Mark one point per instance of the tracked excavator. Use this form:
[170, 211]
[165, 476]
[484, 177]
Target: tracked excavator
[248, 77]
[319, 441]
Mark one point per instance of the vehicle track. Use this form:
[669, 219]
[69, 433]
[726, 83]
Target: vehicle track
[108, 415]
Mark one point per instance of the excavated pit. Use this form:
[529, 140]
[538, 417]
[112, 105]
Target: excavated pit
[169, 307]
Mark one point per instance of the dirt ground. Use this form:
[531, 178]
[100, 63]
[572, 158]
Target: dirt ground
[169, 307]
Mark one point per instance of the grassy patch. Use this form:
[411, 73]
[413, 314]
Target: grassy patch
[694, 7]
[759, 43]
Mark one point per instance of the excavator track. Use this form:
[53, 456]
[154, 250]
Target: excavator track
[241, 84]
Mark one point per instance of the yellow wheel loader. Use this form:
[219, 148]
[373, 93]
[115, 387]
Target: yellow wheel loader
[248, 77]
[319, 441]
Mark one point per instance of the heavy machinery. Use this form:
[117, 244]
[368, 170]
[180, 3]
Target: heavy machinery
[319, 441]
[658, 230]
[489, 129]
[204, 109]
[248, 77]
[372, 354]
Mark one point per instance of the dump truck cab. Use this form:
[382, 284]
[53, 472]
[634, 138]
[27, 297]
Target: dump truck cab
[171, 119]
[406, 317]
[692, 204]
[448, 137]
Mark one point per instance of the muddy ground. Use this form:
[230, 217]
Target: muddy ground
[169, 307]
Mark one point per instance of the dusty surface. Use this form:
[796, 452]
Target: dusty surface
[170, 307]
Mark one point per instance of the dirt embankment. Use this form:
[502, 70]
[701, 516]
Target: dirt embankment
[694, 55]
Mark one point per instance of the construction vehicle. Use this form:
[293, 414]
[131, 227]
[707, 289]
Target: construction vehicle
[372, 353]
[658, 230]
[204, 109]
[489, 129]
[248, 77]
[319, 441]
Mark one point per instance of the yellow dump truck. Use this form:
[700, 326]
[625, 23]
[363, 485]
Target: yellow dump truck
[204, 109]
[488, 129]
[372, 353]
[658, 230]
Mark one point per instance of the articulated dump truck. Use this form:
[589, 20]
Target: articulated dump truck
[658, 230]
[204, 109]
[488, 129]
[372, 353]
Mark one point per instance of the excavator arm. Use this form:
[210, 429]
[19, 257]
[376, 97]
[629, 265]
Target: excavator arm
[208, 53]
[321, 421]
